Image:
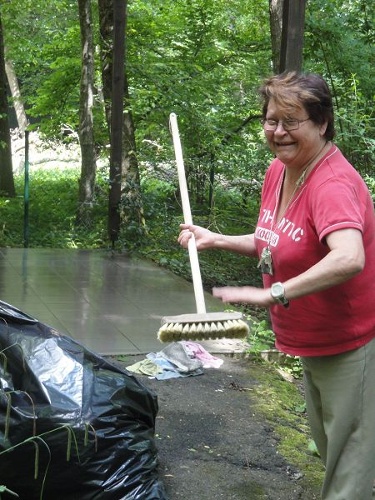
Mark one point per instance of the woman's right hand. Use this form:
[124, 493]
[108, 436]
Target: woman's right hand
[204, 238]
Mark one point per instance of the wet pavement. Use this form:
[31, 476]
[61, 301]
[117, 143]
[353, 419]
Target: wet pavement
[109, 302]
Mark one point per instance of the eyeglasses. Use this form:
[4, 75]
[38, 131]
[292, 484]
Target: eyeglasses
[288, 124]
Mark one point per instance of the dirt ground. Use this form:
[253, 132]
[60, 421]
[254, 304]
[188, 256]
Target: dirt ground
[212, 444]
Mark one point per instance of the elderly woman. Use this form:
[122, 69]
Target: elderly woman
[315, 241]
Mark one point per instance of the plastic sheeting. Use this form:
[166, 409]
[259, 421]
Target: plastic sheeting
[72, 425]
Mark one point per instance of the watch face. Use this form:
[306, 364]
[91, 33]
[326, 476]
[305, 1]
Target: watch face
[277, 292]
[277, 289]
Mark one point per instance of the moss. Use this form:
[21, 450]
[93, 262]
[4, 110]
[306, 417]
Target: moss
[281, 403]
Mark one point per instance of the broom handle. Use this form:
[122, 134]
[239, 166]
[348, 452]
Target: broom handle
[192, 248]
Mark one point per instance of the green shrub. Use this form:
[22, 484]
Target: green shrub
[370, 181]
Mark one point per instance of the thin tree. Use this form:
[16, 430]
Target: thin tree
[86, 122]
[276, 26]
[291, 51]
[19, 107]
[6, 171]
[287, 18]
[117, 102]
[125, 201]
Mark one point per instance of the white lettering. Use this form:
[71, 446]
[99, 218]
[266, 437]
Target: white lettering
[295, 236]
[264, 234]
[267, 216]
[274, 240]
[285, 226]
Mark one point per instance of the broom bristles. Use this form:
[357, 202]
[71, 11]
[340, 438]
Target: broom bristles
[203, 327]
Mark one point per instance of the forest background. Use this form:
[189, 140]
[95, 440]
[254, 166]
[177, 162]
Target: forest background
[201, 59]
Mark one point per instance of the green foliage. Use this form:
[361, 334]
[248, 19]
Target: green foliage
[356, 125]
[261, 337]
[204, 69]
[338, 45]
[370, 181]
[262, 347]
[163, 214]
[43, 42]
[204, 60]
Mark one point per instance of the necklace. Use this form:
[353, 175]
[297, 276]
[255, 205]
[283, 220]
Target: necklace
[265, 261]
[299, 182]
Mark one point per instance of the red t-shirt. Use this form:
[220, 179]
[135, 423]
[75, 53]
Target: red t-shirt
[333, 197]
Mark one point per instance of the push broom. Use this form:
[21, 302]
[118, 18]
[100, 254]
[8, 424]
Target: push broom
[200, 325]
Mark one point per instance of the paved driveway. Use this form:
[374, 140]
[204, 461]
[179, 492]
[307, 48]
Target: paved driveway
[110, 303]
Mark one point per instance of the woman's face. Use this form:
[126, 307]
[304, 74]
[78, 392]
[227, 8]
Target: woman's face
[295, 148]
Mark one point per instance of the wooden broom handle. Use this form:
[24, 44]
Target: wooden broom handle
[192, 248]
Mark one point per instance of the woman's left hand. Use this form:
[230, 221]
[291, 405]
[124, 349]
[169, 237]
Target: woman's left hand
[244, 294]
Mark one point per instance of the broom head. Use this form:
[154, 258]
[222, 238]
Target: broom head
[203, 327]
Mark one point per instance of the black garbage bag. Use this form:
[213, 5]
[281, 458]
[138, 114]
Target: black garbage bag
[72, 425]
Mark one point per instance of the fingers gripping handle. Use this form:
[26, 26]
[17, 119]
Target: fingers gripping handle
[192, 248]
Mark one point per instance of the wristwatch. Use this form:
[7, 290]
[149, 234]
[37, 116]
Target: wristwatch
[278, 294]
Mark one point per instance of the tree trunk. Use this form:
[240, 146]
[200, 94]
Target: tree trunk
[125, 205]
[6, 171]
[287, 18]
[292, 35]
[106, 48]
[118, 73]
[16, 95]
[276, 26]
[86, 122]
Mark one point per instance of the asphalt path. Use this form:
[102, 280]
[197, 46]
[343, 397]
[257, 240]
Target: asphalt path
[212, 444]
